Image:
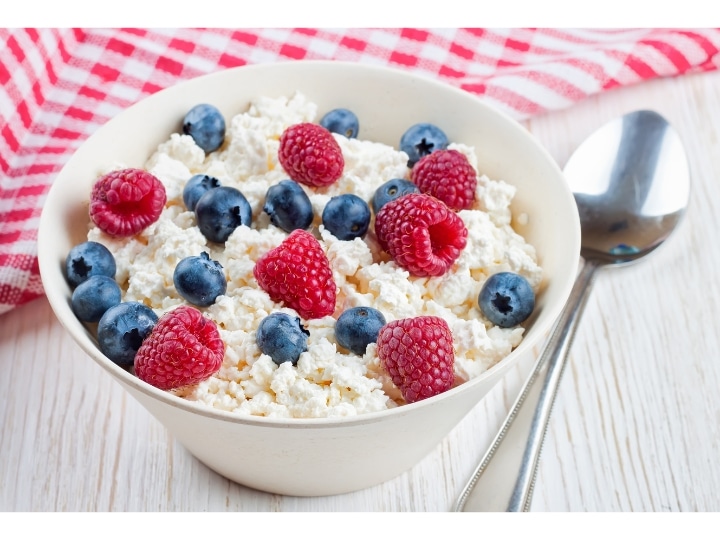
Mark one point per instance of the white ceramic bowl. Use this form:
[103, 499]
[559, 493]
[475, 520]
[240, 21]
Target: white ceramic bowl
[322, 456]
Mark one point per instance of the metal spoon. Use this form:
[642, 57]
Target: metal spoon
[631, 182]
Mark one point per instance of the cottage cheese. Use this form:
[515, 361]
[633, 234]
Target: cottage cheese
[327, 380]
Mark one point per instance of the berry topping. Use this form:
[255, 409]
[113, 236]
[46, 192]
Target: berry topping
[196, 187]
[206, 125]
[298, 273]
[122, 329]
[421, 234]
[184, 348]
[418, 355]
[94, 296]
[220, 211]
[310, 155]
[341, 121]
[347, 216]
[124, 202]
[199, 279]
[448, 176]
[88, 259]
[506, 299]
[391, 190]
[282, 337]
[357, 327]
[288, 206]
[421, 140]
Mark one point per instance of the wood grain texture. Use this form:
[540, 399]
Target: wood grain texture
[636, 425]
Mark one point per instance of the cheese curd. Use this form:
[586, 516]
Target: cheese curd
[327, 381]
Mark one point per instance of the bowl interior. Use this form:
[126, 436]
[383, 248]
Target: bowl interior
[387, 102]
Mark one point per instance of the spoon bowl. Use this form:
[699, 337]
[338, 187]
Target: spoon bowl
[630, 180]
[631, 183]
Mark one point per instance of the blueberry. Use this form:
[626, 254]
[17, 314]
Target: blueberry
[341, 121]
[506, 299]
[94, 296]
[288, 206]
[206, 125]
[196, 187]
[220, 211]
[357, 327]
[422, 139]
[282, 337]
[347, 216]
[391, 190]
[199, 279]
[122, 329]
[88, 259]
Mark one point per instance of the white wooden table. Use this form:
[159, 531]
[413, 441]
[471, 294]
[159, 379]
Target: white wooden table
[636, 425]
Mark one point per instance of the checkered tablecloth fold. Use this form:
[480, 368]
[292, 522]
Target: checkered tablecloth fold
[57, 86]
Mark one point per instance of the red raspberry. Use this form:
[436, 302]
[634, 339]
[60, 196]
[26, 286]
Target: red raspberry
[418, 354]
[126, 201]
[183, 348]
[447, 175]
[298, 273]
[421, 234]
[310, 155]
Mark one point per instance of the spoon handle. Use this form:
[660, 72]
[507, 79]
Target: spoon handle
[514, 453]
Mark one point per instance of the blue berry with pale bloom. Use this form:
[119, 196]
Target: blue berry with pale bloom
[196, 187]
[206, 125]
[506, 299]
[342, 121]
[122, 329]
[346, 216]
[391, 190]
[88, 259]
[288, 206]
[282, 337]
[422, 139]
[94, 296]
[220, 211]
[199, 279]
[357, 327]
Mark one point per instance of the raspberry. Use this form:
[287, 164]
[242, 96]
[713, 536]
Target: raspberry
[126, 201]
[448, 176]
[183, 348]
[421, 234]
[298, 273]
[418, 355]
[310, 155]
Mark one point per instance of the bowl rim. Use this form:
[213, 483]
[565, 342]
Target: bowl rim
[58, 301]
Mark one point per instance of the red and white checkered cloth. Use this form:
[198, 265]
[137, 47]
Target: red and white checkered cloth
[57, 86]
